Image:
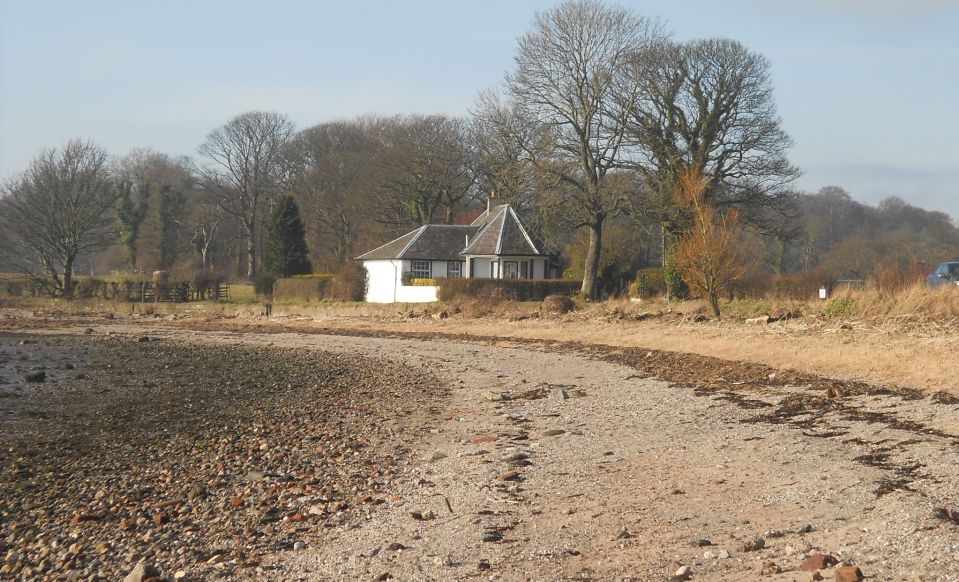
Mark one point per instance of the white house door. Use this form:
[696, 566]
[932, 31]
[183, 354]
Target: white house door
[511, 269]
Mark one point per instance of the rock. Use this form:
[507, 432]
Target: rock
[141, 572]
[509, 476]
[550, 432]
[88, 331]
[702, 543]
[848, 574]
[441, 315]
[557, 305]
[817, 562]
[299, 546]
[484, 439]
[255, 476]
[483, 565]
[395, 547]
[623, 534]
[236, 502]
[144, 339]
[723, 554]
[179, 575]
[494, 396]
[161, 518]
[35, 377]
[764, 320]
[752, 545]
[558, 394]
[683, 573]
[433, 457]
[709, 555]
[816, 576]
[770, 569]
[834, 392]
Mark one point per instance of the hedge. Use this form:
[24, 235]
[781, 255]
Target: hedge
[507, 289]
[301, 289]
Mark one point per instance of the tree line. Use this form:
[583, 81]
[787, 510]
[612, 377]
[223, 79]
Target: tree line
[589, 136]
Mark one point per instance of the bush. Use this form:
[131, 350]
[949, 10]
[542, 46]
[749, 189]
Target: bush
[505, 289]
[90, 288]
[648, 283]
[424, 282]
[557, 305]
[263, 285]
[349, 283]
[301, 290]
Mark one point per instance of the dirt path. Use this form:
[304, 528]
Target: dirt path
[629, 476]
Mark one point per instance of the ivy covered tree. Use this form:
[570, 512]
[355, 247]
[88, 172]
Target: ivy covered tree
[285, 253]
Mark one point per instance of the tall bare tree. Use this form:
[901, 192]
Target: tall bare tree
[334, 168]
[59, 209]
[572, 85]
[247, 166]
[425, 170]
[708, 105]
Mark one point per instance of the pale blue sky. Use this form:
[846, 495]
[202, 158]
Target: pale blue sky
[867, 88]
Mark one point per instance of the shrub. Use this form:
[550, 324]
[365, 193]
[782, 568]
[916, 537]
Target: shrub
[557, 305]
[349, 283]
[648, 283]
[424, 282]
[319, 276]
[263, 285]
[90, 288]
[840, 307]
[505, 289]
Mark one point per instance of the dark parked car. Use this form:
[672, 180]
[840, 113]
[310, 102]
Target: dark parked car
[945, 274]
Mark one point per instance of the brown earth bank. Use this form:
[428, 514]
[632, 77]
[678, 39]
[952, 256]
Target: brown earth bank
[540, 459]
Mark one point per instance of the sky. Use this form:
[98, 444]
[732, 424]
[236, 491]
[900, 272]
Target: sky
[867, 89]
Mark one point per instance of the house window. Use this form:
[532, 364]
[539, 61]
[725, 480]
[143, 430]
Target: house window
[524, 270]
[422, 270]
[511, 269]
[454, 269]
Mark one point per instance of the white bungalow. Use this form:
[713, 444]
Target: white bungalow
[495, 246]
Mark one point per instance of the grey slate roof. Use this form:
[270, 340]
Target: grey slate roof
[498, 231]
[502, 233]
[437, 242]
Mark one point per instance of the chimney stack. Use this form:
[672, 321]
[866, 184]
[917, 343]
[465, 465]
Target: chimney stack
[489, 201]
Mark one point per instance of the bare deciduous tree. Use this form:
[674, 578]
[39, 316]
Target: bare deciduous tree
[334, 165]
[59, 209]
[246, 167]
[425, 170]
[708, 105]
[572, 87]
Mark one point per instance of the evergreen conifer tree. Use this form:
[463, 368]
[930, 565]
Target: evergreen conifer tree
[285, 252]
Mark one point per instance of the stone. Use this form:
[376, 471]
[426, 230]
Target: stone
[255, 476]
[816, 576]
[144, 339]
[683, 573]
[494, 396]
[435, 456]
[508, 476]
[848, 574]
[770, 568]
[550, 432]
[141, 572]
[299, 546]
[161, 518]
[817, 562]
[558, 394]
[35, 377]
[484, 439]
[764, 320]
[179, 575]
[752, 545]
[723, 554]
[709, 555]
[236, 502]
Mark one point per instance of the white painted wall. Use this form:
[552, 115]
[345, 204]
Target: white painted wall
[385, 284]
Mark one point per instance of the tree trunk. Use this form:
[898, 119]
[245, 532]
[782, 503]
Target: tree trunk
[591, 266]
[68, 278]
[251, 251]
[714, 302]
